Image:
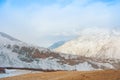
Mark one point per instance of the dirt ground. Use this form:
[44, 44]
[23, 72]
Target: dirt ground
[70, 75]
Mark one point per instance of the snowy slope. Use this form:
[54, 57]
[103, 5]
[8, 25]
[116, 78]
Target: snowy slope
[5, 36]
[96, 42]
[15, 53]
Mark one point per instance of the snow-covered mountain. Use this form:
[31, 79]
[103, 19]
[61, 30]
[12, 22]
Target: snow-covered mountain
[57, 44]
[15, 53]
[97, 42]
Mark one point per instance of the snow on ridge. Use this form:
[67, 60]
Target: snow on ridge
[97, 42]
[8, 37]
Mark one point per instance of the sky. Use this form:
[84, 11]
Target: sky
[44, 22]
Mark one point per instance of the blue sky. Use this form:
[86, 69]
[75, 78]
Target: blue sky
[43, 22]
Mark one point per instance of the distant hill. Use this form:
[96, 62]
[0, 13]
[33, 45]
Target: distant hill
[57, 44]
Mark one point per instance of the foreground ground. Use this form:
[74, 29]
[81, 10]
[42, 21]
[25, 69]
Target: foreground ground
[70, 75]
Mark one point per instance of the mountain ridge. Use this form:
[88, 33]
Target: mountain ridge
[22, 55]
[8, 36]
[97, 43]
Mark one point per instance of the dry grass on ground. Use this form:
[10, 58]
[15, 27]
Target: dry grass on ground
[70, 75]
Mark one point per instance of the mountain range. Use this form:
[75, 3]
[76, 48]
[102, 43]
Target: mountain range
[98, 49]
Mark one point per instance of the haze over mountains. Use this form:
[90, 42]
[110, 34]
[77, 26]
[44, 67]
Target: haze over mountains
[94, 49]
[97, 42]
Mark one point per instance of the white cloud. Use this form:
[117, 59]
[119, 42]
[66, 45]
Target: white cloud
[36, 24]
